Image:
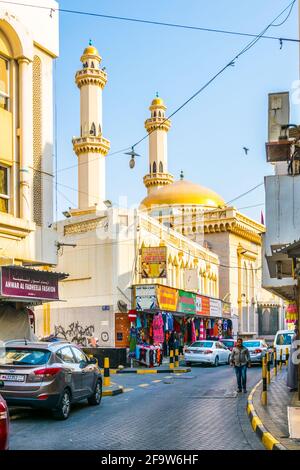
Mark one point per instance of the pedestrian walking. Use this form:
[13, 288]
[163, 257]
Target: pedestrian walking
[292, 374]
[240, 360]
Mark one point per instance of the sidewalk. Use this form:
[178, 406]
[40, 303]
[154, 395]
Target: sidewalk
[271, 422]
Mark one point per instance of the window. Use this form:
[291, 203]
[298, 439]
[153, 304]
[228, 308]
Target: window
[4, 188]
[66, 355]
[93, 129]
[154, 167]
[79, 356]
[4, 83]
[23, 356]
[161, 167]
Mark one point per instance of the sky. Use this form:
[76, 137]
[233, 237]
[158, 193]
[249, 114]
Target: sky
[207, 137]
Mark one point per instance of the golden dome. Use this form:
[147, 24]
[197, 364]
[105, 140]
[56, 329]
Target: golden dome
[183, 192]
[91, 50]
[158, 102]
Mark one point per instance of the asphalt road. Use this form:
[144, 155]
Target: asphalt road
[194, 411]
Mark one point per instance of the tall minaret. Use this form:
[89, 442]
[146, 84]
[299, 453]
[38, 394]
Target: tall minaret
[157, 126]
[91, 147]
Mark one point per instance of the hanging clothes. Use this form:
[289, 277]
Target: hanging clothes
[138, 322]
[158, 331]
[193, 332]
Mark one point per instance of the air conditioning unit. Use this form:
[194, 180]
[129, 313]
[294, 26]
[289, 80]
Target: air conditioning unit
[279, 151]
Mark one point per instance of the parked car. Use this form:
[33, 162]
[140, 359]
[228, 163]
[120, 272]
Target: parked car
[49, 375]
[283, 340]
[258, 348]
[4, 424]
[229, 343]
[207, 352]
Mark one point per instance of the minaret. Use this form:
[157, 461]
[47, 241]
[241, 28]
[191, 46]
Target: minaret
[91, 147]
[157, 126]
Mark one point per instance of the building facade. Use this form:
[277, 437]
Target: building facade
[28, 48]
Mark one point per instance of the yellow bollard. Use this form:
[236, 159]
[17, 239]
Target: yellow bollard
[280, 359]
[264, 398]
[106, 381]
[176, 358]
[275, 363]
[172, 359]
[268, 368]
[287, 355]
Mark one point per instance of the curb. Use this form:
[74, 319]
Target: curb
[268, 440]
[154, 371]
[112, 391]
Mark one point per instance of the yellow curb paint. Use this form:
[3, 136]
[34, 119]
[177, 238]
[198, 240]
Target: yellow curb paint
[128, 390]
[151, 371]
[107, 393]
[256, 422]
[155, 381]
[269, 441]
[144, 385]
[250, 408]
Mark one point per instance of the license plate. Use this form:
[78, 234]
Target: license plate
[12, 378]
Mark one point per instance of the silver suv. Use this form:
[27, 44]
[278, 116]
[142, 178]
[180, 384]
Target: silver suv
[48, 375]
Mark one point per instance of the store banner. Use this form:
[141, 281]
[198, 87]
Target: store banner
[20, 283]
[154, 262]
[186, 302]
[145, 298]
[202, 305]
[226, 310]
[167, 298]
[215, 308]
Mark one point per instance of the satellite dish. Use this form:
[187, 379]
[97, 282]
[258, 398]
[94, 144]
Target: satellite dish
[122, 306]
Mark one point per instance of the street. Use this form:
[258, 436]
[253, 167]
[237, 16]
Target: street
[193, 411]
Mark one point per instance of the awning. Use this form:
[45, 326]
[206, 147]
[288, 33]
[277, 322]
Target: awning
[21, 284]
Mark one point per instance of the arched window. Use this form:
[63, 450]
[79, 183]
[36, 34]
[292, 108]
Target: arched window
[93, 129]
[99, 130]
[154, 114]
[161, 167]
[159, 113]
[93, 65]
[154, 167]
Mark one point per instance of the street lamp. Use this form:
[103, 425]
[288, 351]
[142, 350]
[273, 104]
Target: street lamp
[132, 154]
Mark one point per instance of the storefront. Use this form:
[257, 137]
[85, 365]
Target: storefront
[168, 318]
[20, 289]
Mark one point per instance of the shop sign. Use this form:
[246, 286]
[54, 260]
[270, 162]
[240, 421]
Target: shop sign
[187, 302]
[131, 315]
[226, 310]
[202, 305]
[167, 298]
[28, 284]
[215, 308]
[145, 298]
[154, 262]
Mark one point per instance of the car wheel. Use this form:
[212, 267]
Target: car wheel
[95, 399]
[188, 364]
[216, 363]
[62, 411]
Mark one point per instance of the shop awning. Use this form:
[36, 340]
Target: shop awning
[32, 286]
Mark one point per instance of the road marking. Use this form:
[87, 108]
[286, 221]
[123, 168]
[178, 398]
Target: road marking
[156, 381]
[168, 377]
[128, 389]
[144, 385]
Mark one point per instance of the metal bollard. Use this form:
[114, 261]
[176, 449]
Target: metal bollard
[176, 358]
[106, 381]
[280, 359]
[172, 359]
[268, 368]
[264, 397]
[275, 362]
[287, 355]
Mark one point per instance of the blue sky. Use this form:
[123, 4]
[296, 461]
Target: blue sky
[207, 136]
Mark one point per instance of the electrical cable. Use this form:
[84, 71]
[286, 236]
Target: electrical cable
[153, 22]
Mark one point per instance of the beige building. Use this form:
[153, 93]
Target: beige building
[101, 246]
[203, 216]
[28, 48]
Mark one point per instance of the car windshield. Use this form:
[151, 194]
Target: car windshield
[228, 343]
[252, 344]
[202, 344]
[283, 339]
[29, 357]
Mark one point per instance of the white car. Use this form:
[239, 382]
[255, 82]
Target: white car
[283, 340]
[207, 352]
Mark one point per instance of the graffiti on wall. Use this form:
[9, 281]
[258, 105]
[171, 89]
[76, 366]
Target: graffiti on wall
[78, 334]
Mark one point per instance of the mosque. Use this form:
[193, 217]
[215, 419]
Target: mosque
[211, 253]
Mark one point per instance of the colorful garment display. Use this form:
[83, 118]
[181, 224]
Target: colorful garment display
[158, 330]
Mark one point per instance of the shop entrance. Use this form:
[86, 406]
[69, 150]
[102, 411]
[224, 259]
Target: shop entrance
[122, 330]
